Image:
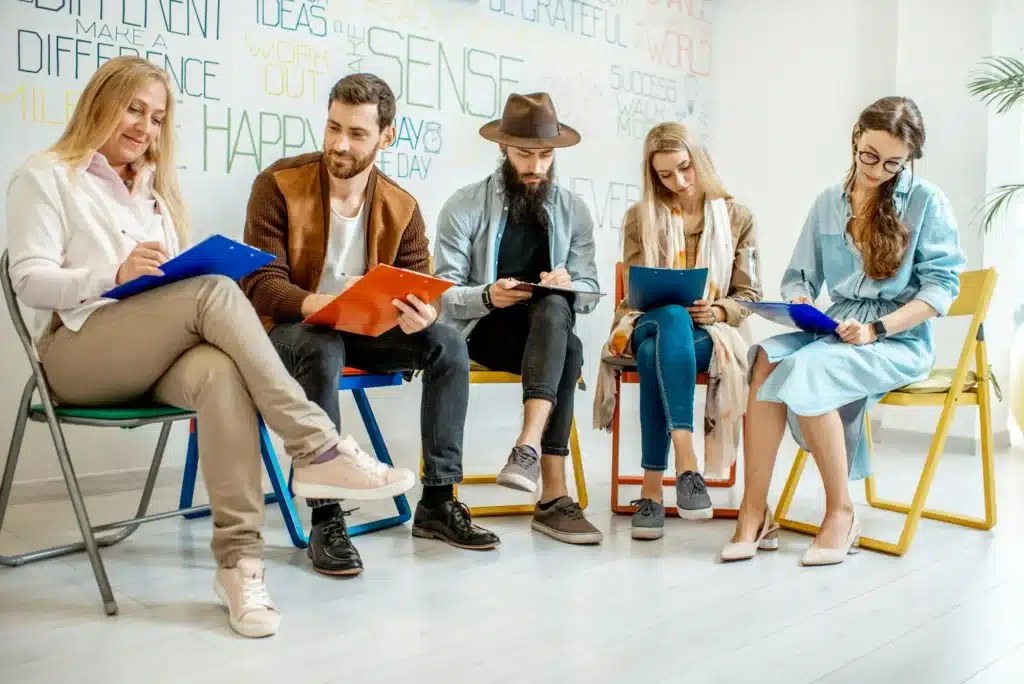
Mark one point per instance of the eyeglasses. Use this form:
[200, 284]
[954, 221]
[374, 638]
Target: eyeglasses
[870, 159]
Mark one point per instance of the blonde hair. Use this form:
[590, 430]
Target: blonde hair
[654, 210]
[98, 113]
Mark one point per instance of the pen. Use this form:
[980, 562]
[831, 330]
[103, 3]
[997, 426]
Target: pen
[803, 279]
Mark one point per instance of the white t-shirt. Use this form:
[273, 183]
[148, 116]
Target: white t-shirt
[346, 249]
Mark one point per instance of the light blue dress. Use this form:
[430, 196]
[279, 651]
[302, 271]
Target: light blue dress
[817, 374]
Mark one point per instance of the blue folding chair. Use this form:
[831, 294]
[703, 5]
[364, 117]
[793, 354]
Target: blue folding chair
[352, 380]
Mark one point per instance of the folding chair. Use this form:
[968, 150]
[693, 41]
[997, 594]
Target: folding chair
[478, 375]
[629, 376]
[950, 391]
[353, 380]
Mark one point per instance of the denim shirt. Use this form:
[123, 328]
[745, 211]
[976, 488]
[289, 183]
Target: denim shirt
[469, 229]
[825, 253]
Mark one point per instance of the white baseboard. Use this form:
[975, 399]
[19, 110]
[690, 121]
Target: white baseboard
[93, 484]
[954, 443]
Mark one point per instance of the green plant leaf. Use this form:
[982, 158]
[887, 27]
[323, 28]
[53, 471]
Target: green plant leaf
[997, 201]
[999, 82]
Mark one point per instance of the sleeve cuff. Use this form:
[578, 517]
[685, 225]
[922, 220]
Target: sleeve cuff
[936, 297]
[289, 306]
[734, 313]
[100, 281]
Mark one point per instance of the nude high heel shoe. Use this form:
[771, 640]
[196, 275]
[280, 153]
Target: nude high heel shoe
[767, 540]
[818, 556]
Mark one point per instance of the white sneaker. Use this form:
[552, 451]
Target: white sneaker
[242, 589]
[352, 474]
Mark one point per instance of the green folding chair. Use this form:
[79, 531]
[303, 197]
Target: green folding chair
[47, 411]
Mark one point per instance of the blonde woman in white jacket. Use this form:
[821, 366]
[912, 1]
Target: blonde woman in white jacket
[102, 207]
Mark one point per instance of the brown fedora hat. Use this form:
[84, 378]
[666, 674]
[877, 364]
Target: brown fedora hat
[529, 121]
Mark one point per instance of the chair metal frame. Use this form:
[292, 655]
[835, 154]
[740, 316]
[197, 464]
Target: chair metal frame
[352, 380]
[478, 375]
[627, 376]
[976, 288]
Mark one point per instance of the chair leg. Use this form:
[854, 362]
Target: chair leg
[786, 499]
[380, 450]
[78, 504]
[13, 452]
[281, 494]
[577, 466]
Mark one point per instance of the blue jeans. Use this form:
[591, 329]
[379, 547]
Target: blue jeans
[669, 354]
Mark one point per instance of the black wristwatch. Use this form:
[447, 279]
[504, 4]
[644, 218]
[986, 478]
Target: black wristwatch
[880, 331]
[486, 294]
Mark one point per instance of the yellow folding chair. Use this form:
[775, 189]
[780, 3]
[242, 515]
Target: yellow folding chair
[478, 375]
[945, 388]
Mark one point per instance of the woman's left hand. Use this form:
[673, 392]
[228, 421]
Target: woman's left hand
[854, 332]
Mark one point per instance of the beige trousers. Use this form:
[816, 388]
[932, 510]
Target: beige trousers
[196, 344]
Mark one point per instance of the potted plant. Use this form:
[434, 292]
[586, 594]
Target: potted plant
[1000, 83]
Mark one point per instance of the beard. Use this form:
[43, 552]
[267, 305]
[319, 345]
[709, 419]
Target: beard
[526, 200]
[347, 165]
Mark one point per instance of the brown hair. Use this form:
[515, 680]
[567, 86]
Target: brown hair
[359, 89]
[98, 113]
[886, 239]
[653, 211]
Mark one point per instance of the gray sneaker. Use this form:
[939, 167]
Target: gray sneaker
[692, 499]
[649, 519]
[522, 470]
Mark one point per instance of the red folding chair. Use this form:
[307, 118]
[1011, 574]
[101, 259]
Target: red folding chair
[631, 377]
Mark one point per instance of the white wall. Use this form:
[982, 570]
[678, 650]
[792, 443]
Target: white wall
[791, 77]
[255, 77]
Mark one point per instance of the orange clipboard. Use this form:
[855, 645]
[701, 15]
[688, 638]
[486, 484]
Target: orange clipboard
[366, 308]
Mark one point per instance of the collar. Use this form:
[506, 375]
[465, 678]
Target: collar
[98, 165]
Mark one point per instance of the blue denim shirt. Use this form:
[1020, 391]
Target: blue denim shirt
[930, 270]
[469, 229]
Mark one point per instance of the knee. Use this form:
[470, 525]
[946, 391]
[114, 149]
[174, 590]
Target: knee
[552, 310]
[447, 347]
[219, 285]
[672, 318]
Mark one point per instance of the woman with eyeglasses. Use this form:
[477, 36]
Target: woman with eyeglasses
[886, 244]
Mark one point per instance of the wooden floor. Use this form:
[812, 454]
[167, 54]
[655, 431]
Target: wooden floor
[537, 611]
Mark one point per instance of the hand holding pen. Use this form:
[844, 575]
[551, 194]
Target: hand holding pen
[809, 297]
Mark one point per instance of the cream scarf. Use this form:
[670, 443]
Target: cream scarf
[727, 375]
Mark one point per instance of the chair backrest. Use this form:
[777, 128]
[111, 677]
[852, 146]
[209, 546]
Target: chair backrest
[976, 288]
[24, 335]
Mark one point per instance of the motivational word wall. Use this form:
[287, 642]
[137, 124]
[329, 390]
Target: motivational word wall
[252, 79]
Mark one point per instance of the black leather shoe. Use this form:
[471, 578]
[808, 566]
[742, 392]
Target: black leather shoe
[450, 522]
[331, 550]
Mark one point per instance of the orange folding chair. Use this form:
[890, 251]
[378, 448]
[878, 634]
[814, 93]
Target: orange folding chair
[631, 377]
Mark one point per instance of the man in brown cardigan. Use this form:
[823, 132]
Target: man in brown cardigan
[328, 218]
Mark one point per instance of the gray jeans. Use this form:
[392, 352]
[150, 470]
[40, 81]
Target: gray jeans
[317, 356]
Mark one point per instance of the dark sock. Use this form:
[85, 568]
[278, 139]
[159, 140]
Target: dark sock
[545, 506]
[325, 513]
[435, 496]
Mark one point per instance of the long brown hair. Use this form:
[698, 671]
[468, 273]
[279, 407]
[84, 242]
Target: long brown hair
[886, 239]
[653, 211]
[99, 111]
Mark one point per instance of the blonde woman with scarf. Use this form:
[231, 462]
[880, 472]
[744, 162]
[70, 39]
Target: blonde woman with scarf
[685, 219]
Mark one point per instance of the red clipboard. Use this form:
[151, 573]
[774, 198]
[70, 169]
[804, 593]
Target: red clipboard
[366, 308]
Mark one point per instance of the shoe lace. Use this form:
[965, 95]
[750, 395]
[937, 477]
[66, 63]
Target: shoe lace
[522, 457]
[461, 517]
[573, 511]
[644, 507]
[693, 483]
[361, 459]
[254, 593]
[335, 529]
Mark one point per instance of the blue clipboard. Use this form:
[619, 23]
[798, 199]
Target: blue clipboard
[650, 288]
[216, 255]
[801, 316]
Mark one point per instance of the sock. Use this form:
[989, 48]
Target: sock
[545, 506]
[327, 455]
[326, 512]
[435, 496]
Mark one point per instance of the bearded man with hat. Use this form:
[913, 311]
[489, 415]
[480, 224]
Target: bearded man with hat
[518, 226]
